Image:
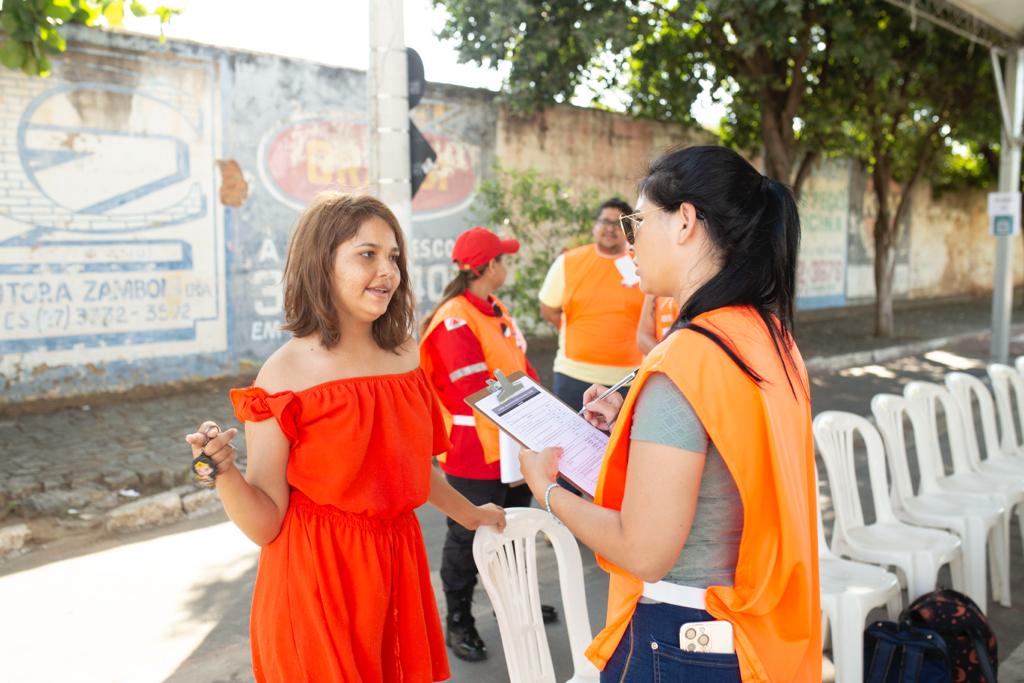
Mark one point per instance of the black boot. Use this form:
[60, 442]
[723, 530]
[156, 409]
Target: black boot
[460, 627]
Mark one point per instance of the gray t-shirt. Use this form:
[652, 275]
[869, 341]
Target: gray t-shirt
[663, 415]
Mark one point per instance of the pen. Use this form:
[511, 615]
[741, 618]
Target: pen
[613, 388]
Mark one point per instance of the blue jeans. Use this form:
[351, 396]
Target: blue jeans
[649, 651]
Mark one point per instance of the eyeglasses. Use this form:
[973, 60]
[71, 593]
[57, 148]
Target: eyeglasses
[631, 223]
[607, 222]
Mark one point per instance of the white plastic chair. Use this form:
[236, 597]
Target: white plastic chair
[967, 390]
[976, 519]
[507, 562]
[1008, 384]
[849, 591]
[918, 553]
[927, 400]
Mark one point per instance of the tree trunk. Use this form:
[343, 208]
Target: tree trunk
[885, 252]
[885, 268]
[803, 172]
[778, 155]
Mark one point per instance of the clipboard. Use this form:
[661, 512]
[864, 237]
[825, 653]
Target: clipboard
[535, 418]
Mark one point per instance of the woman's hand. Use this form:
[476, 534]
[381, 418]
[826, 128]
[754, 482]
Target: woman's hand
[539, 469]
[209, 439]
[487, 515]
[602, 414]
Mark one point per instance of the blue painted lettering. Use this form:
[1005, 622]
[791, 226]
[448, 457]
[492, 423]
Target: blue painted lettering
[33, 293]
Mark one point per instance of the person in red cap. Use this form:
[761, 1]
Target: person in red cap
[468, 336]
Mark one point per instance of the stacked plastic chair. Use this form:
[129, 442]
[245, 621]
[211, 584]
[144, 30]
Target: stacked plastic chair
[976, 519]
[918, 553]
[849, 591]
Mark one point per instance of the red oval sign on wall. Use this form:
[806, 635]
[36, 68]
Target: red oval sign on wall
[311, 156]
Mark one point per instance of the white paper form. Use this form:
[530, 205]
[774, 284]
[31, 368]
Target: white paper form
[537, 419]
[509, 451]
[627, 269]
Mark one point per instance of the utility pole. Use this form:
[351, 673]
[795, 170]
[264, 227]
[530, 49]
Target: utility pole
[388, 96]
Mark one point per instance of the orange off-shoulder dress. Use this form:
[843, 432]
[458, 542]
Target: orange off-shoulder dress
[343, 593]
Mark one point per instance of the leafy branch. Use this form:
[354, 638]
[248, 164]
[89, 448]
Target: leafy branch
[31, 29]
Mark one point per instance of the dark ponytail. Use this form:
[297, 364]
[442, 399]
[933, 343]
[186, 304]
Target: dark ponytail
[457, 287]
[752, 221]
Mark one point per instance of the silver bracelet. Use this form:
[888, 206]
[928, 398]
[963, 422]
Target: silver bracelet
[547, 500]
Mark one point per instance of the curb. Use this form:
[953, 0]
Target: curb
[163, 508]
[885, 353]
[13, 538]
[181, 502]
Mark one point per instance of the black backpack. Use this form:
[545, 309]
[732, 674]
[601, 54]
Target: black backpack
[969, 640]
[900, 653]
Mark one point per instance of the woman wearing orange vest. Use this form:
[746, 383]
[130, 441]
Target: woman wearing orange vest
[468, 336]
[705, 508]
[657, 317]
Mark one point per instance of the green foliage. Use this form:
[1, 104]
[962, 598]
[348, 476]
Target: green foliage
[551, 45]
[910, 95]
[763, 57]
[547, 217]
[31, 28]
[970, 165]
[782, 67]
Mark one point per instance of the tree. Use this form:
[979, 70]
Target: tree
[32, 28]
[905, 100]
[547, 217]
[766, 56]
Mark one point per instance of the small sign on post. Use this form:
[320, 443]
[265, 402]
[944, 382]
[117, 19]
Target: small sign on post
[1004, 213]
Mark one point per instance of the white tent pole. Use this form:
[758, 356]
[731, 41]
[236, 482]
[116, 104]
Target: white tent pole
[1012, 103]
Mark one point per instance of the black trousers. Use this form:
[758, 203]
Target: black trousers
[458, 570]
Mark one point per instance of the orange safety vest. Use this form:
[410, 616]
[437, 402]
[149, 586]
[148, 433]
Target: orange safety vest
[601, 314]
[764, 435]
[666, 311]
[505, 353]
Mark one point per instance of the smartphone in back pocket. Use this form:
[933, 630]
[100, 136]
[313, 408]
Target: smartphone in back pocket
[706, 636]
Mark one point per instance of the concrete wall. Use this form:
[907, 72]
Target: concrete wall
[147, 192]
[945, 248]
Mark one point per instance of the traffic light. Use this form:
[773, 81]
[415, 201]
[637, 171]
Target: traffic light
[421, 155]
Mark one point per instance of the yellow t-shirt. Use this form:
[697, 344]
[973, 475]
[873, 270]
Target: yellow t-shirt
[551, 294]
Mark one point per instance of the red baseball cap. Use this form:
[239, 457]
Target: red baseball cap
[478, 246]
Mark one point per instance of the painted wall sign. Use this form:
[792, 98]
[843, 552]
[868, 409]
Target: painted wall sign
[111, 242]
[824, 220]
[329, 152]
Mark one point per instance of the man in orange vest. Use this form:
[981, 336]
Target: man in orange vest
[592, 295]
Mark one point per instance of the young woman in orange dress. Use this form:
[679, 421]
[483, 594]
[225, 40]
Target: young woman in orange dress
[341, 426]
[704, 514]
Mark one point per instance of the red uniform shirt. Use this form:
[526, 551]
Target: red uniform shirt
[456, 352]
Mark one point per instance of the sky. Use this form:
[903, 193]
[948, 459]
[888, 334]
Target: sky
[327, 31]
[335, 32]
